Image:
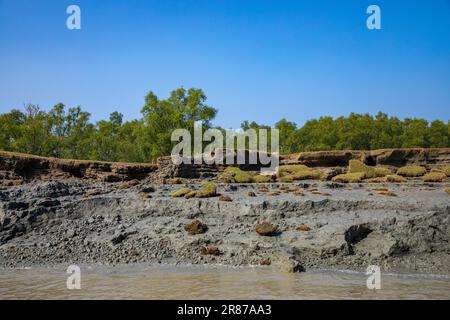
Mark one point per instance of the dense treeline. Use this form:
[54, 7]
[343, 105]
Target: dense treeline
[69, 133]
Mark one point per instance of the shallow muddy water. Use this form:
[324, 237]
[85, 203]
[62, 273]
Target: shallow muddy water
[194, 282]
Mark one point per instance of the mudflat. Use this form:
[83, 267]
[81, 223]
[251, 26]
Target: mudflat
[313, 224]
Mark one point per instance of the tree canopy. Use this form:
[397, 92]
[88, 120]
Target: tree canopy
[68, 132]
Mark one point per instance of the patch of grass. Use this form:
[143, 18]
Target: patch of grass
[382, 171]
[349, 177]
[288, 173]
[434, 177]
[411, 171]
[262, 178]
[395, 178]
[445, 170]
[285, 178]
[376, 180]
[447, 190]
[292, 168]
[235, 175]
[310, 174]
[181, 193]
[209, 189]
[356, 166]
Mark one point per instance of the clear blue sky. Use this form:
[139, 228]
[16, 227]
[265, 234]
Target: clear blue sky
[257, 60]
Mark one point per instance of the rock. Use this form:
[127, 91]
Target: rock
[251, 194]
[286, 263]
[303, 227]
[144, 195]
[210, 250]
[266, 229]
[93, 192]
[195, 227]
[225, 198]
[265, 262]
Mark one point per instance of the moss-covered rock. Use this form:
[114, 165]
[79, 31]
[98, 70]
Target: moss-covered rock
[395, 178]
[349, 177]
[434, 177]
[411, 171]
[181, 192]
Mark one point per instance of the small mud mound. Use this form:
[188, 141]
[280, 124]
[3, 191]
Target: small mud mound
[195, 227]
[210, 250]
[266, 229]
[225, 198]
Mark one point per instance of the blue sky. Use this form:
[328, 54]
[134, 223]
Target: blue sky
[256, 60]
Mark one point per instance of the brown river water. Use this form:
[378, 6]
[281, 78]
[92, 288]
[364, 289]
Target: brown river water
[195, 282]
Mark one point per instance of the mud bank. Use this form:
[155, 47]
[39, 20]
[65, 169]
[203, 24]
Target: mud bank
[327, 225]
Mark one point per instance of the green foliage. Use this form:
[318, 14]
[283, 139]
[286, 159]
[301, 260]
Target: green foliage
[395, 178]
[355, 166]
[382, 171]
[434, 177]
[209, 189]
[235, 175]
[181, 192]
[68, 132]
[262, 178]
[411, 171]
[349, 177]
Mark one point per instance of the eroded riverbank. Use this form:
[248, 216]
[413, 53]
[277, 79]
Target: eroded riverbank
[349, 226]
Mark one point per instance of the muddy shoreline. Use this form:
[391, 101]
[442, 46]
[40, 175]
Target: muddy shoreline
[349, 226]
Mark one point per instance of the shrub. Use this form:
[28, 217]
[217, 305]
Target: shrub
[434, 177]
[180, 193]
[411, 171]
[395, 178]
[349, 177]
